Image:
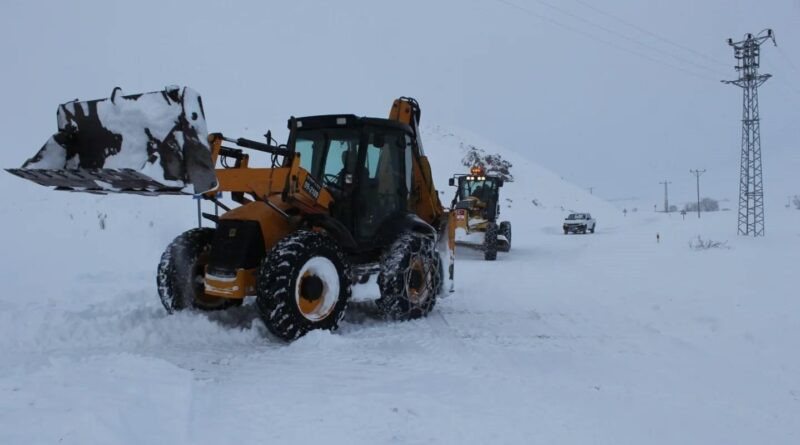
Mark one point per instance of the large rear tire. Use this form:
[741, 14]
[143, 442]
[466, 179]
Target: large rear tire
[303, 284]
[181, 273]
[505, 230]
[490, 242]
[410, 277]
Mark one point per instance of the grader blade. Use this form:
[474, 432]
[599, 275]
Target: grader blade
[151, 143]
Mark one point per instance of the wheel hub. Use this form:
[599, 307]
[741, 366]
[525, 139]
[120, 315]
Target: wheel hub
[311, 288]
[416, 282]
[317, 288]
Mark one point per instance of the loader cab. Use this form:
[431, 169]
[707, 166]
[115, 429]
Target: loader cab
[486, 189]
[364, 162]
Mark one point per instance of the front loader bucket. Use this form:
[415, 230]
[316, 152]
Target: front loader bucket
[151, 143]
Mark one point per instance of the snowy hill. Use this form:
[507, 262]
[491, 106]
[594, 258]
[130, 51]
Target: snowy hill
[605, 338]
[535, 191]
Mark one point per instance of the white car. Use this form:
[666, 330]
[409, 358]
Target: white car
[579, 223]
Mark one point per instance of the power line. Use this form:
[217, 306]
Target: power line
[652, 34]
[782, 82]
[600, 40]
[624, 36]
[788, 60]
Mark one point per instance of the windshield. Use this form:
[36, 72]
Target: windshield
[577, 216]
[325, 153]
[478, 189]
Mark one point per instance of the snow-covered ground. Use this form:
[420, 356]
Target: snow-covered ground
[606, 338]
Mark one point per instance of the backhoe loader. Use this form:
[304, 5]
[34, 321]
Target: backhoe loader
[345, 198]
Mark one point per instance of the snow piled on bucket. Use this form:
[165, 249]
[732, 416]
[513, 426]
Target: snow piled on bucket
[161, 135]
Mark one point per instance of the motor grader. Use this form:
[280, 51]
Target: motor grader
[345, 198]
[476, 207]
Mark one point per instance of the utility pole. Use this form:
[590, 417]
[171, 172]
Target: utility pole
[591, 190]
[666, 195]
[698, 173]
[751, 190]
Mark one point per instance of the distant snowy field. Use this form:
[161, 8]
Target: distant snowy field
[608, 338]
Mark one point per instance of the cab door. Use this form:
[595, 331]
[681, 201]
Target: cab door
[383, 180]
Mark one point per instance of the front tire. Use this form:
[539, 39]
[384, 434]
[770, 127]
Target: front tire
[181, 273]
[410, 278]
[303, 284]
[505, 230]
[490, 242]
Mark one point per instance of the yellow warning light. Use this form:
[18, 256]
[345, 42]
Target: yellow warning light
[477, 170]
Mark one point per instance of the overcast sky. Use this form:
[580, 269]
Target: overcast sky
[606, 93]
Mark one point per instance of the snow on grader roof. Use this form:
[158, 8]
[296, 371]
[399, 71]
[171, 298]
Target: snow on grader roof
[151, 143]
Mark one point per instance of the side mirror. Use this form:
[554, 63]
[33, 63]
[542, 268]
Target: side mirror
[499, 182]
[452, 182]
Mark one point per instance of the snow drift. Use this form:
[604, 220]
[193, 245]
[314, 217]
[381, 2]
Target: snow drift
[605, 338]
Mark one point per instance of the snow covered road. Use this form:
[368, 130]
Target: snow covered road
[609, 338]
[606, 338]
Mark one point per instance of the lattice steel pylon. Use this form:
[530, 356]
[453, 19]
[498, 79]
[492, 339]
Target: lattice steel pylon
[751, 187]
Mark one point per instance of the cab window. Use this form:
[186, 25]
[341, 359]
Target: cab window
[328, 154]
[305, 148]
